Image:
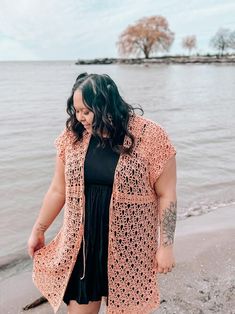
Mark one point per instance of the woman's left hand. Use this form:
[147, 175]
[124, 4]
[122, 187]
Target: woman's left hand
[165, 259]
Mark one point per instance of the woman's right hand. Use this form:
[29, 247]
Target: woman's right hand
[35, 242]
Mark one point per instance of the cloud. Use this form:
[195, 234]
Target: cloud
[68, 29]
[9, 48]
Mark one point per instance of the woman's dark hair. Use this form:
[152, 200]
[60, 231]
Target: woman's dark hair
[111, 113]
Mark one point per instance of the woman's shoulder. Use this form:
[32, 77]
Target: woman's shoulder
[150, 126]
[156, 142]
[65, 136]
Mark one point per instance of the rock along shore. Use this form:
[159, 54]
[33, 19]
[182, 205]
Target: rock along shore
[160, 60]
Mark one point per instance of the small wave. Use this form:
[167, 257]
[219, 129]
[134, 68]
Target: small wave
[202, 209]
[13, 264]
[12, 261]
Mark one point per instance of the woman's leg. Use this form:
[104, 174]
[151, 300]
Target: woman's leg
[92, 307]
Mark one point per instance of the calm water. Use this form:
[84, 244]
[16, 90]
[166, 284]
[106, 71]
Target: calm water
[194, 103]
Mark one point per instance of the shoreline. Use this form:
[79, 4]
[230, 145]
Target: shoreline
[212, 59]
[203, 280]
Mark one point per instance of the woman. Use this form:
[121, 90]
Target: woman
[115, 175]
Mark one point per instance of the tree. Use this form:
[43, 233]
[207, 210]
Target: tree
[232, 40]
[223, 40]
[148, 35]
[189, 42]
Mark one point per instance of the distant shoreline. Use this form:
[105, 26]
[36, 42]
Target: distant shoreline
[160, 60]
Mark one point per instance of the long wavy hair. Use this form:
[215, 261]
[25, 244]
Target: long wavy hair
[111, 112]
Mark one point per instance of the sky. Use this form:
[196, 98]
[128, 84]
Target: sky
[85, 29]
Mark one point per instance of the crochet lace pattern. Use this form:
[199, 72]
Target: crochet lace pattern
[133, 222]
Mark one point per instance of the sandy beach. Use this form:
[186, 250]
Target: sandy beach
[203, 280]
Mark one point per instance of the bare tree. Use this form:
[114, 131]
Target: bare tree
[189, 43]
[148, 35]
[232, 40]
[223, 40]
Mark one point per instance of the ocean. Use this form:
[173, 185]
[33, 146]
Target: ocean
[194, 103]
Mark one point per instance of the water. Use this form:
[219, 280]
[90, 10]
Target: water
[194, 103]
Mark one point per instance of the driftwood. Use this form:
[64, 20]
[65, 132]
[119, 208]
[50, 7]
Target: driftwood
[35, 303]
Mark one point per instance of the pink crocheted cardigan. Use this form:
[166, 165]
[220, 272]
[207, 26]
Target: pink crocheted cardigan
[133, 222]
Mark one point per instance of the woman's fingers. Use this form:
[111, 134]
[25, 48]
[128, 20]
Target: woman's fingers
[159, 269]
[30, 251]
[164, 270]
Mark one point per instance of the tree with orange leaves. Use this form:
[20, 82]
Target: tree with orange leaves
[189, 42]
[148, 35]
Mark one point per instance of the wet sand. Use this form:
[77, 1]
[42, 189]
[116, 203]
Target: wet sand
[203, 280]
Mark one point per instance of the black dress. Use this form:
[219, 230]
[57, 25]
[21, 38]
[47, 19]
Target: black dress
[99, 168]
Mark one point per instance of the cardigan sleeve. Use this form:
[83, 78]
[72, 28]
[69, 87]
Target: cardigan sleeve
[60, 144]
[161, 150]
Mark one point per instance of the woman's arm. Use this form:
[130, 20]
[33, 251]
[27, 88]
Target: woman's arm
[53, 201]
[165, 188]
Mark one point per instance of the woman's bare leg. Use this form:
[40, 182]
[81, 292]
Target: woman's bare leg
[92, 307]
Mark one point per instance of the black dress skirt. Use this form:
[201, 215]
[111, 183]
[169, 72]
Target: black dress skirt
[99, 168]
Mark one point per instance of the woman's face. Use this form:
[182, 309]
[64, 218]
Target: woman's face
[83, 114]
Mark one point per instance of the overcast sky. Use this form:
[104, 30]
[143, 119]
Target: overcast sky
[72, 29]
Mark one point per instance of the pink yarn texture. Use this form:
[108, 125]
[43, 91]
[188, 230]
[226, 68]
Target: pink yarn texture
[133, 221]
